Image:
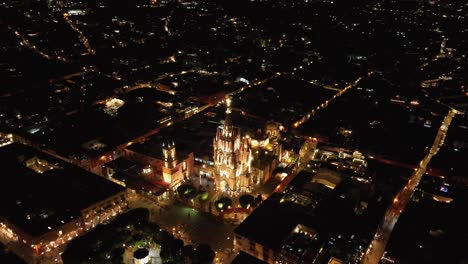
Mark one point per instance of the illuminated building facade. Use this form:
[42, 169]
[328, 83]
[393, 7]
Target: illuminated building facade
[171, 172]
[32, 248]
[266, 152]
[162, 161]
[60, 202]
[232, 157]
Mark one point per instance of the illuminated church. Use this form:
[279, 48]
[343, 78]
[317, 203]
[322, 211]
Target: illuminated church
[232, 157]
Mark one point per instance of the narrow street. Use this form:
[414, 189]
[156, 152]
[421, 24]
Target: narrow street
[377, 247]
[325, 104]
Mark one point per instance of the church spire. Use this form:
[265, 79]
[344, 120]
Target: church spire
[228, 121]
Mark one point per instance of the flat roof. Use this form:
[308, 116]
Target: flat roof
[39, 202]
[194, 134]
[154, 147]
[244, 258]
[272, 222]
[122, 164]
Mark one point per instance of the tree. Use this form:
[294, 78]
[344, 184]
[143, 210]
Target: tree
[191, 194]
[246, 201]
[203, 196]
[223, 203]
[150, 228]
[204, 254]
[164, 238]
[186, 191]
[164, 253]
[135, 238]
[175, 247]
[188, 251]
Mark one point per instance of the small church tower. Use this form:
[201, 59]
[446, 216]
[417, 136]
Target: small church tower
[169, 154]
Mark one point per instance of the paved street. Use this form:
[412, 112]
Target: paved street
[377, 247]
[327, 102]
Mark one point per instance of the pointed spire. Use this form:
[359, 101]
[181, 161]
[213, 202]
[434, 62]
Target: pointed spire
[168, 143]
[228, 121]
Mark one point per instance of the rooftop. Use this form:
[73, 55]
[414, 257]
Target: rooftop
[191, 135]
[121, 164]
[129, 172]
[308, 214]
[244, 258]
[301, 242]
[263, 160]
[257, 228]
[38, 202]
[154, 147]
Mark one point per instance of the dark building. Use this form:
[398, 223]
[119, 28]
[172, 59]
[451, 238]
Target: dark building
[47, 202]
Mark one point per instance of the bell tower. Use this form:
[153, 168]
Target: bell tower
[169, 154]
